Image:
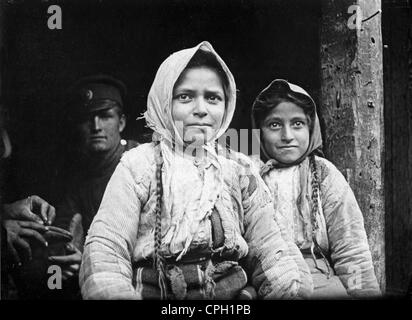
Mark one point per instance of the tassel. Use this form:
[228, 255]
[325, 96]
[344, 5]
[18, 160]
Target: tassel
[177, 282]
[162, 279]
[313, 245]
[209, 284]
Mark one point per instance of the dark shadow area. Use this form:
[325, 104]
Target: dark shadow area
[259, 40]
[397, 64]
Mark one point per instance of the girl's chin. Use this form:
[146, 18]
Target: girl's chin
[285, 159]
[196, 139]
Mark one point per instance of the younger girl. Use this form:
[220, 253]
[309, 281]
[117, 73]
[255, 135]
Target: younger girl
[178, 215]
[311, 195]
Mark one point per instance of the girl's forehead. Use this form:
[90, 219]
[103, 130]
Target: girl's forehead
[200, 78]
[201, 72]
[287, 109]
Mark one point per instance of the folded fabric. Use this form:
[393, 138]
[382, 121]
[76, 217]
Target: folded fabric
[218, 235]
[150, 292]
[229, 287]
[247, 293]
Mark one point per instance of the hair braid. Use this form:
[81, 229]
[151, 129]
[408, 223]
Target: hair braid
[315, 210]
[315, 194]
[158, 258]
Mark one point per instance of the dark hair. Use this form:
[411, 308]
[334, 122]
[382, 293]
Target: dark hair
[273, 96]
[207, 59]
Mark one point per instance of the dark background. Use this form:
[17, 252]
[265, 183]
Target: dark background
[259, 41]
[397, 63]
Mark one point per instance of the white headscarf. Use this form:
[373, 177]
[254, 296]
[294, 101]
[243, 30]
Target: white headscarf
[187, 199]
[159, 103]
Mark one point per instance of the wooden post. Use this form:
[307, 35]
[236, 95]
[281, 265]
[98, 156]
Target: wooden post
[351, 107]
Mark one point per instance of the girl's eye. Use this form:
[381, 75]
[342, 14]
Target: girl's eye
[274, 125]
[184, 97]
[214, 98]
[298, 124]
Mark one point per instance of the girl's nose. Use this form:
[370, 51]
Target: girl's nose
[200, 107]
[287, 135]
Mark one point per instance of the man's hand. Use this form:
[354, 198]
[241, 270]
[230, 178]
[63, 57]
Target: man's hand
[70, 263]
[32, 208]
[17, 234]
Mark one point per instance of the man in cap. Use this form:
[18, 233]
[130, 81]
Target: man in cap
[96, 120]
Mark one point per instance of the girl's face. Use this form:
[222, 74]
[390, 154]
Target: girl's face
[198, 104]
[285, 132]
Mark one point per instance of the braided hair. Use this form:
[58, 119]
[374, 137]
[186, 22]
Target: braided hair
[314, 195]
[158, 260]
[315, 209]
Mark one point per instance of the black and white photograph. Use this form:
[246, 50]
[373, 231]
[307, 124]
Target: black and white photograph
[234, 150]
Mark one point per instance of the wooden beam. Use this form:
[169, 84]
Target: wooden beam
[351, 107]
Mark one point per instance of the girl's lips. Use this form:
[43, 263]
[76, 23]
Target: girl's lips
[199, 125]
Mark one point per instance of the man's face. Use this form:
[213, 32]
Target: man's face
[100, 130]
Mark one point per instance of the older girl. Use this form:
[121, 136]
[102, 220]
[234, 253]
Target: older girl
[311, 195]
[179, 214]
